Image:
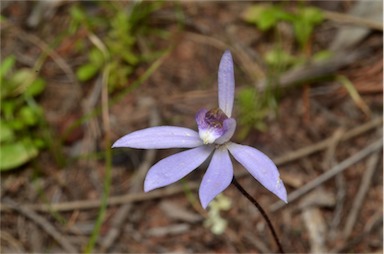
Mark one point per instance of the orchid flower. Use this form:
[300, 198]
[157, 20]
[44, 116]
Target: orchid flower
[215, 129]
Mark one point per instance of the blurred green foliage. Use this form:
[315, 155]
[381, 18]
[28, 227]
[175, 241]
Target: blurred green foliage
[113, 32]
[303, 20]
[254, 107]
[279, 59]
[118, 27]
[21, 117]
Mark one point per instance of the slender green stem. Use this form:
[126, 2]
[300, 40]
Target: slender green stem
[263, 213]
[108, 163]
[104, 202]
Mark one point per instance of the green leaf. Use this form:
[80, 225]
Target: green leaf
[266, 16]
[23, 76]
[87, 71]
[77, 14]
[279, 57]
[35, 88]
[130, 57]
[39, 143]
[4, 88]
[311, 15]
[261, 16]
[17, 124]
[6, 65]
[28, 116]
[307, 19]
[6, 132]
[8, 108]
[21, 80]
[16, 154]
[96, 57]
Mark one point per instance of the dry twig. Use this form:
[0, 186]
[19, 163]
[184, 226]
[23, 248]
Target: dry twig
[316, 227]
[305, 151]
[44, 224]
[329, 157]
[329, 162]
[13, 243]
[360, 196]
[117, 200]
[329, 174]
[376, 223]
[318, 70]
[340, 199]
[354, 20]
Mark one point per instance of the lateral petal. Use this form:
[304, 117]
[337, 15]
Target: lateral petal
[175, 167]
[226, 82]
[229, 126]
[260, 167]
[217, 178]
[160, 137]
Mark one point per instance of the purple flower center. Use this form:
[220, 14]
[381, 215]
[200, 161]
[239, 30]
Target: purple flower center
[212, 125]
[215, 118]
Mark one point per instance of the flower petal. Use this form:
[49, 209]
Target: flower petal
[229, 126]
[160, 137]
[217, 178]
[175, 167]
[260, 167]
[226, 83]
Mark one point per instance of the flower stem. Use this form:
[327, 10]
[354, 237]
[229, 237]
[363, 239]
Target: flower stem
[263, 213]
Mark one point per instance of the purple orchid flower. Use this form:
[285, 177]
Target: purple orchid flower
[216, 127]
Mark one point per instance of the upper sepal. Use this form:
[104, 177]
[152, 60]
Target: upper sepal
[226, 83]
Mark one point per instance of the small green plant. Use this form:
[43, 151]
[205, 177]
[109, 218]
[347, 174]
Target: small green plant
[123, 25]
[20, 115]
[303, 20]
[254, 106]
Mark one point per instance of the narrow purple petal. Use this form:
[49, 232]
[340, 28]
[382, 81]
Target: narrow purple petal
[160, 137]
[229, 126]
[260, 167]
[226, 83]
[217, 178]
[175, 167]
